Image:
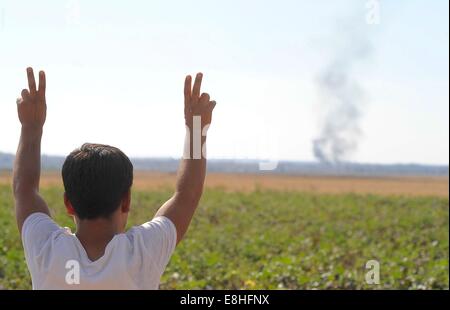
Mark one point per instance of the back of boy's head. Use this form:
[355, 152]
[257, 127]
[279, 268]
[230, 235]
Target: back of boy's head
[96, 179]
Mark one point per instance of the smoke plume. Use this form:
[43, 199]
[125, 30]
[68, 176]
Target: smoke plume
[341, 98]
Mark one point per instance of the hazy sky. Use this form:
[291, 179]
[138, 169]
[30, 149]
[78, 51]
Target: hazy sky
[115, 74]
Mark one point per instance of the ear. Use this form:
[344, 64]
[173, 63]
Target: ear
[68, 205]
[126, 202]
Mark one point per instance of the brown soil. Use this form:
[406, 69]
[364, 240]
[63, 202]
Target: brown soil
[410, 186]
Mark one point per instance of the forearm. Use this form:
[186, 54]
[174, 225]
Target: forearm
[27, 164]
[191, 177]
[192, 170]
[180, 208]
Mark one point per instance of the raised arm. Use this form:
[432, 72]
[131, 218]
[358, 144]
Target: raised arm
[191, 173]
[31, 108]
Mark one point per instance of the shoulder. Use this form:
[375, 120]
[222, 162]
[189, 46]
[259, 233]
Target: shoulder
[160, 226]
[157, 239]
[39, 233]
[38, 222]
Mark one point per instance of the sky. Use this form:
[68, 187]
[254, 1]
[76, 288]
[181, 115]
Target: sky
[115, 73]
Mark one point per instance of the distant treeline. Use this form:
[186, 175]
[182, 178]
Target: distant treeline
[253, 166]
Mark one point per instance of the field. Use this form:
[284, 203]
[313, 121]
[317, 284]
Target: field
[275, 232]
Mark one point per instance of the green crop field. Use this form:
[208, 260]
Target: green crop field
[280, 240]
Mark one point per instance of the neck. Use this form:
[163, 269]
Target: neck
[95, 234]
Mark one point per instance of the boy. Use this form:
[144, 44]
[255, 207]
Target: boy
[97, 181]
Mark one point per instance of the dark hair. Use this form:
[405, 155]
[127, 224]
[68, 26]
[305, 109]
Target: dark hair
[96, 177]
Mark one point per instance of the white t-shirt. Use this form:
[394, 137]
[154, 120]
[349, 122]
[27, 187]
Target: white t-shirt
[132, 260]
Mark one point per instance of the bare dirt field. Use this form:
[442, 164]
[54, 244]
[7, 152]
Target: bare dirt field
[409, 186]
